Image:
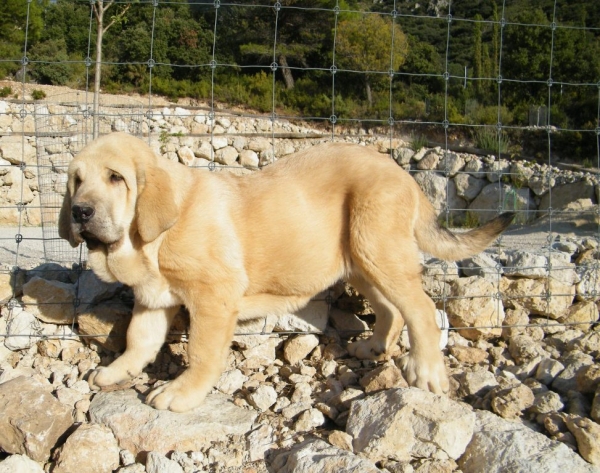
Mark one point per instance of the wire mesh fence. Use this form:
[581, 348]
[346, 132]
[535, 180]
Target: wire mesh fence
[39, 136]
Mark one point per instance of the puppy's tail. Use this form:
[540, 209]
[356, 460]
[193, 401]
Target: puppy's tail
[446, 245]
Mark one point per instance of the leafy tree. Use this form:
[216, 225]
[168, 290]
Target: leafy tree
[14, 26]
[477, 53]
[365, 44]
[302, 37]
[526, 58]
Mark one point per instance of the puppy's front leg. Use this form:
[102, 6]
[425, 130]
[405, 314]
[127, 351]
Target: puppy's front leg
[146, 334]
[212, 324]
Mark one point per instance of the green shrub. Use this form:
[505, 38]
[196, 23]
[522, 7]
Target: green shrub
[38, 94]
[5, 91]
[488, 115]
[488, 139]
[417, 142]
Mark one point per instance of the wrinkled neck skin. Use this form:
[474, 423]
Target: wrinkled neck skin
[122, 263]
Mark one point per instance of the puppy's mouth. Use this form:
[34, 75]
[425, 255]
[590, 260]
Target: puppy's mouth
[91, 240]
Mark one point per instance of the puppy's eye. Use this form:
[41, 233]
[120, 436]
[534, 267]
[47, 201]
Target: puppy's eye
[77, 182]
[115, 177]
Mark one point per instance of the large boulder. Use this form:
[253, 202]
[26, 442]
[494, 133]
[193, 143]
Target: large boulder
[400, 424]
[31, 419]
[141, 428]
[499, 446]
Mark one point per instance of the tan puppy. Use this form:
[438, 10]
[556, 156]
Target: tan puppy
[235, 248]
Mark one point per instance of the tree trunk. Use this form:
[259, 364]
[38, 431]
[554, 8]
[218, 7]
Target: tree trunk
[369, 93]
[98, 68]
[287, 73]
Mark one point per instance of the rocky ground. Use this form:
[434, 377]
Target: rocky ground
[525, 390]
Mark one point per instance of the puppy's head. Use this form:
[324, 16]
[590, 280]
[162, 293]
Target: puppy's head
[115, 188]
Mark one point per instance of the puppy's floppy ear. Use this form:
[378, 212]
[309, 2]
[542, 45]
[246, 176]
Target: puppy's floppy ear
[156, 210]
[64, 221]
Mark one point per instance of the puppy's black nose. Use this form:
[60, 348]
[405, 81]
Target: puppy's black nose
[81, 213]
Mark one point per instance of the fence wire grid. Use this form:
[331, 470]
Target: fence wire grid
[58, 126]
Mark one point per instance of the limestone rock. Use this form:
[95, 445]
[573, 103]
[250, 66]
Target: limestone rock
[595, 410]
[14, 150]
[475, 168]
[205, 151]
[384, 377]
[312, 318]
[541, 264]
[548, 370]
[186, 156]
[22, 328]
[309, 420]
[511, 402]
[249, 159]
[259, 144]
[470, 355]
[482, 265]
[588, 378]
[450, 164]
[468, 187]
[587, 434]
[440, 191]
[106, 324]
[429, 162]
[259, 441]
[298, 347]
[530, 294]
[474, 316]
[524, 348]
[316, 456]
[141, 428]
[429, 423]
[227, 155]
[92, 290]
[50, 301]
[567, 379]
[476, 383]
[564, 194]
[157, 463]
[347, 323]
[546, 403]
[497, 169]
[499, 446]
[31, 419]
[92, 448]
[20, 464]
[403, 155]
[231, 381]
[263, 398]
[497, 195]
[588, 287]
[437, 275]
[584, 313]
[340, 439]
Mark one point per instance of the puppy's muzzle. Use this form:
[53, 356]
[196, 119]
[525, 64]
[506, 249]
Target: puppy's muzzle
[82, 213]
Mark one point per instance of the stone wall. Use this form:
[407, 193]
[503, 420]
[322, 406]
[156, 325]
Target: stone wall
[467, 189]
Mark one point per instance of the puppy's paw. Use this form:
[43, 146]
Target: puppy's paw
[427, 374]
[367, 350]
[108, 376]
[176, 396]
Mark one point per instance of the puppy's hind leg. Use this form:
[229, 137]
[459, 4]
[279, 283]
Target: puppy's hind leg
[388, 325]
[146, 334]
[400, 283]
